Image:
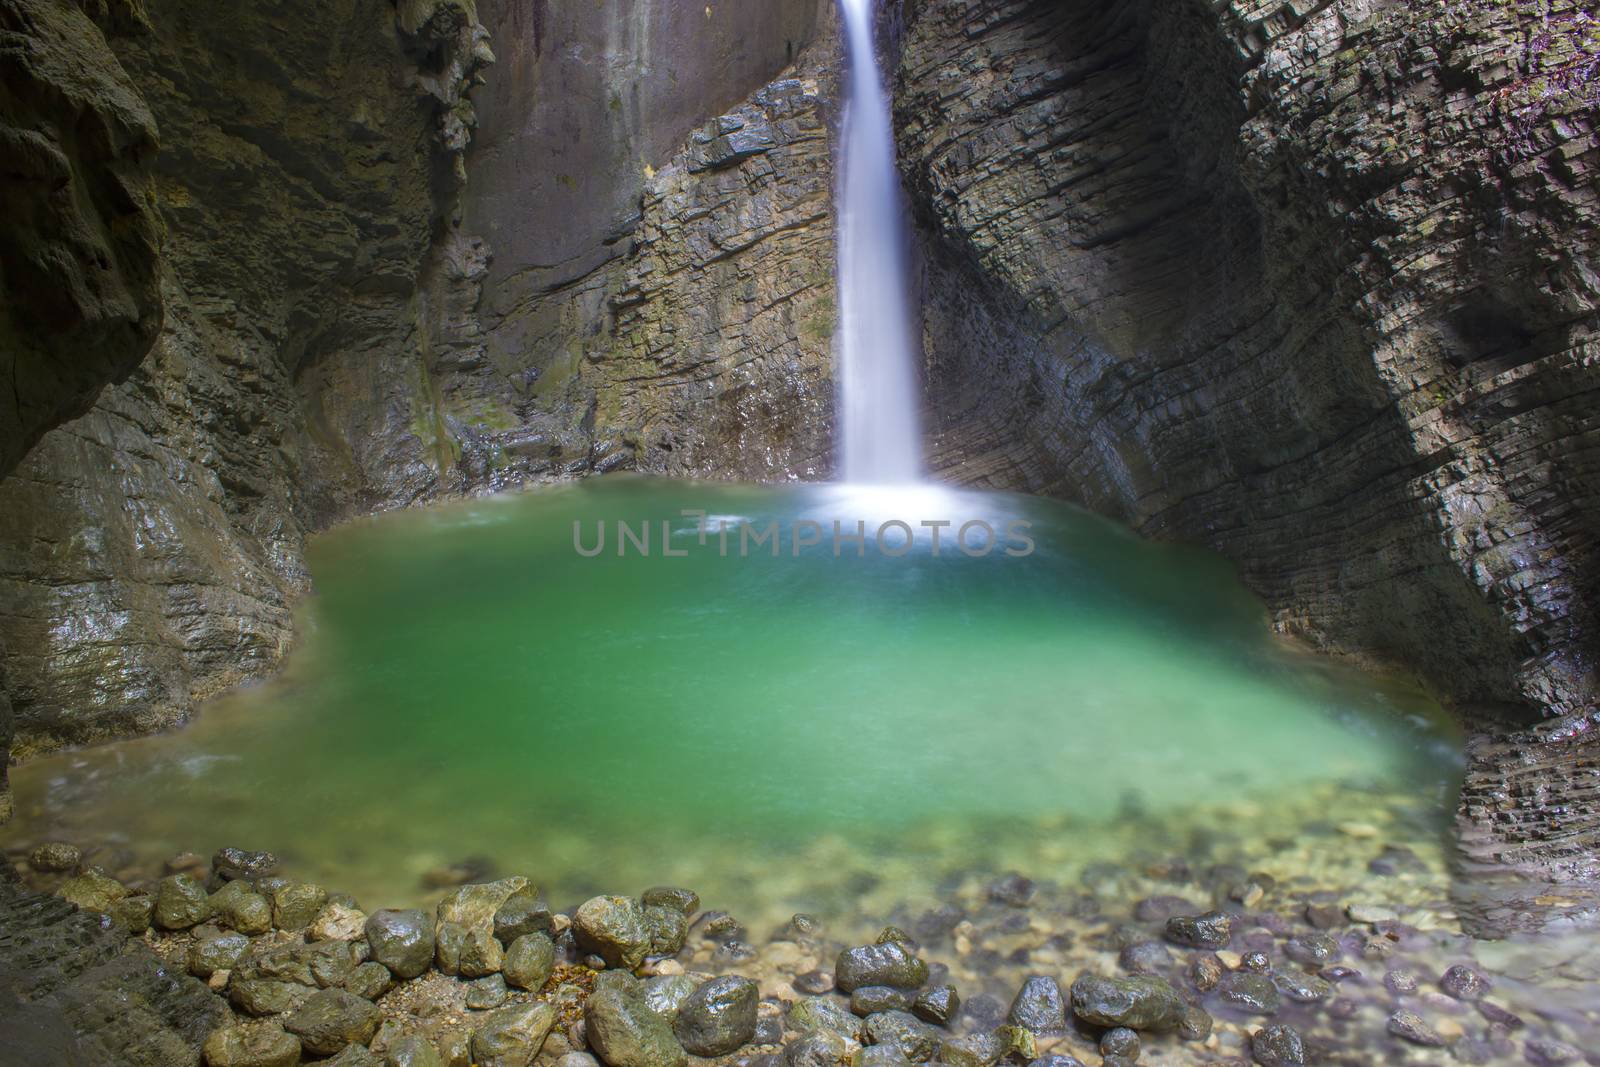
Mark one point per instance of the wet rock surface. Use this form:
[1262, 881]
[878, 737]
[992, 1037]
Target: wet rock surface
[1047, 988]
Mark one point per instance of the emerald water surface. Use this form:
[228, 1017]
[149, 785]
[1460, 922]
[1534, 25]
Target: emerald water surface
[469, 686]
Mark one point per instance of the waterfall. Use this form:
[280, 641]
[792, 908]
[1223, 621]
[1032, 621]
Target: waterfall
[881, 442]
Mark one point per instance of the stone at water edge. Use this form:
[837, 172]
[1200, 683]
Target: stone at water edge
[938, 1005]
[1408, 1026]
[665, 994]
[820, 1013]
[296, 904]
[337, 922]
[522, 913]
[240, 907]
[401, 940]
[55, 857]
[823, 1048]
[685, 901]
[251, 1045]
[1143, 1002]
[232, 864]
[1212, 930]
[93, 890]
[613, 928]
[474, 906]
[370, 980]
[210, 955]
[330, 1019]
[413, 1051]
[353, 1056]
[468, 952]
[1255, 993]
[486, 993]
[868, 999]
[529, 961]
[905, 1031]
[1120, 1041]
[1039, 1007]
[718, 1017]
[880, 1056]
[181, 902]
[888, 964]
[1464, 983]
[668, 927]
[626, 1033]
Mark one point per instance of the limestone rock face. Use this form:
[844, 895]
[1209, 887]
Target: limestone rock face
[1312, 285]
[79, 232]
[330, 347]
[150, 549]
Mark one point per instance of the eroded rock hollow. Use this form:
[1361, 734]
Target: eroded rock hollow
[1312, 284]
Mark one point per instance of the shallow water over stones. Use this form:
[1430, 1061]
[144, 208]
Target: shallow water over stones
[1048, 763]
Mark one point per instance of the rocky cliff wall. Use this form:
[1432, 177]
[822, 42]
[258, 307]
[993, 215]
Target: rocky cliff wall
[328, 348]
[1311, 283]
[149, 549]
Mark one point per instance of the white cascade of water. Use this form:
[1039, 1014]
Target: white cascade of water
[878, 391]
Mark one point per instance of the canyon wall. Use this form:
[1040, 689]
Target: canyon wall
[1313, 284]
[342, 333]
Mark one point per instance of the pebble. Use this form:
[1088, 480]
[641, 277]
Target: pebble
[1278, 1046]
[1409, 1026]
[1120, 1041]
[1140, 1003]
[1212, 930]
[1464, 983]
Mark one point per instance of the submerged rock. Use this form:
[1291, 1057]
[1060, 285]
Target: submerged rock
[512, 1036]
[233, 864]
[1278, 1046]
[821, 1048]
[887, 964]
[1464, 983]
[55, 857]
[401, 940]
[1120, 1041]
[718, 1017]
[1253, 993]
[1408, 1026]
[1140, 1003]
[938, 1005]
[684, 901]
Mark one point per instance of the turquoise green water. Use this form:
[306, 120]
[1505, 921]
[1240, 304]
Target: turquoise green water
[468, 685]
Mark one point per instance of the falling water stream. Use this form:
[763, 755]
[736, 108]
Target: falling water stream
[878, 380]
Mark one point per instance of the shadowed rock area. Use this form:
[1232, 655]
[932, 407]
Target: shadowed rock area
[1312, 285]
